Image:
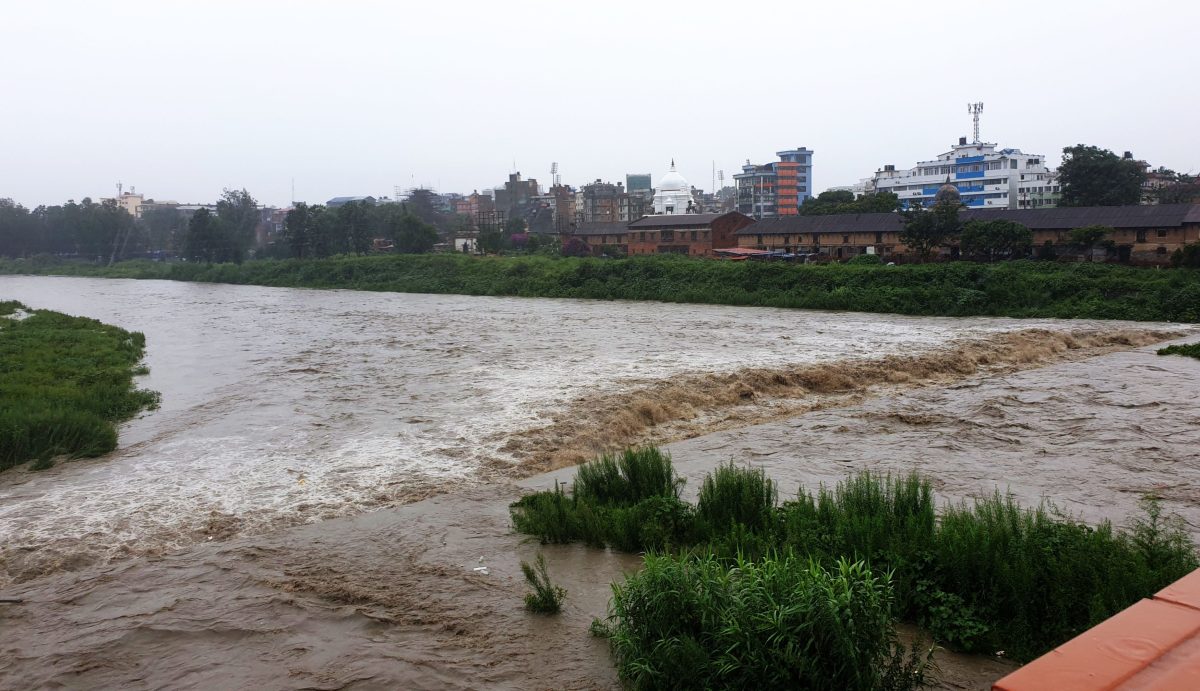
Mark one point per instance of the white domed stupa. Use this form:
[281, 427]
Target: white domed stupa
[673, 195]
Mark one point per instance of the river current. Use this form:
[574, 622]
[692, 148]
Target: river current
[283, 407]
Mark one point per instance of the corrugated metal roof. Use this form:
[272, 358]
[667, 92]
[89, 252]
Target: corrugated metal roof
[1060, 218]
[677, 220]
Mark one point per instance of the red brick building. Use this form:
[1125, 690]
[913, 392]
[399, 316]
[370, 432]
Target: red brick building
[695, 235]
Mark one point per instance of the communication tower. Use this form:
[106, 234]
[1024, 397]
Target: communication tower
[975, 109]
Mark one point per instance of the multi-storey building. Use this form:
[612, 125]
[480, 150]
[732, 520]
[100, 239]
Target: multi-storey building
[986, 178]
[775, 189]
[605, 202]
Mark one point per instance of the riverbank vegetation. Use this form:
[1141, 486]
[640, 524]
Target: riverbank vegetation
[1013, 289]
[981, 576]
[1188, 349]
[65, 384]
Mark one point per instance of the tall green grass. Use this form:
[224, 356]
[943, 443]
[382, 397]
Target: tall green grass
[775, 623]
[65, 383]
[1014, 289]
[982, 576]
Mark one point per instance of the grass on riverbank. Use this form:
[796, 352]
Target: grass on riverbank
[65, 383]
[1187, 349]
[985, 576]
[1015, 289]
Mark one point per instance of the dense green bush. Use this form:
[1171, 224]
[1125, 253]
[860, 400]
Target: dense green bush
[65, 383]
[984, 576]
[1011, 288]
[1188, 349]
[775, 623]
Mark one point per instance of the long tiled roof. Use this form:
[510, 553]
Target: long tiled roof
[838, 223]
[676, 220]
[1152, 216]
[600, 229]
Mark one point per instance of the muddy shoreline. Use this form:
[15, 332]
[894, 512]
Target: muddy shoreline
[389, 598]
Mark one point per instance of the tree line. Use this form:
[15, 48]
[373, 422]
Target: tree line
[314, 230]
[105, 232]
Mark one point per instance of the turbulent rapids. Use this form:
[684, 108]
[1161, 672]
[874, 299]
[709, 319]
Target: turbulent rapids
[338, 462]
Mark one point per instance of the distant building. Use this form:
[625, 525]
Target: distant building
[986, 178]
[639, 184]
[605, 202]
[696, 235]
[342, 201]
[1143, 234]
[673, 195]
[775, 189]
[515, 195]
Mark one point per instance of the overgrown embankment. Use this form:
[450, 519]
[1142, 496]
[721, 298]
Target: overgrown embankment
[1188, 350]
[981, 577]
[65, 383]
[1014, 289]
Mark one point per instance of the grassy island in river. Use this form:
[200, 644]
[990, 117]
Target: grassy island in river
[65, 384]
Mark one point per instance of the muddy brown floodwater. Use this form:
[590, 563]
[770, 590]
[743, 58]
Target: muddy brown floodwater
[308, 508]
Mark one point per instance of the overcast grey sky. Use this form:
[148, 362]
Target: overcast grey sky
[182, 99]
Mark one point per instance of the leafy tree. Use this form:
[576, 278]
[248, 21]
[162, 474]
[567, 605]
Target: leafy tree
[164, 227]
[1091, 176]
[411, 235]
[992, 240]
[1187, 256]
[1088, 237]
[207, 240]
[928, 229]
[299, 230]
[19, 235]
[513, 226]
[356, 225]
[832, 202]
[576, 247]
[1177, 188]
[239, 215]
[423, 203]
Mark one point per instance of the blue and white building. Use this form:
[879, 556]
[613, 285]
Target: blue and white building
[986, 178]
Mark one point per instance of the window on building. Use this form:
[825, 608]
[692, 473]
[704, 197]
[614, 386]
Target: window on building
[845, 239]
[704, 234]
[643, 236]
[694, 234]
[1162, 232]
[1141, 236]
[1160, 250]
[667, 236]
[1013, 164]
[878, 237]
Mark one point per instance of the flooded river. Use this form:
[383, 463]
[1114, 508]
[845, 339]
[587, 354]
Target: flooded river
[283, 407]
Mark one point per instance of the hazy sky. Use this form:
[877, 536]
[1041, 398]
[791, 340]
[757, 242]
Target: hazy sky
[182, 99]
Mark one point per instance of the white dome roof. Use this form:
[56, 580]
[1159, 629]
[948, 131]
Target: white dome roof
[673, 182]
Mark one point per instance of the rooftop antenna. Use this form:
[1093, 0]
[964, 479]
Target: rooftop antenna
[975, 109]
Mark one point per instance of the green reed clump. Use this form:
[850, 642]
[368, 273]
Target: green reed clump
[778, 622]
[1188, 349]
[1024, 580]
[65, 383]
[984, 576]
[733, 496]
[628, 501]
[546, 597]
[627, 478]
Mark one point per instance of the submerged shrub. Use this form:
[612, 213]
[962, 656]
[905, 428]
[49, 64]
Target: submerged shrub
[1189, 349]
[546, 597]
[632, 476]
[732, 496]
[780, 622]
